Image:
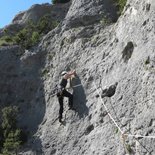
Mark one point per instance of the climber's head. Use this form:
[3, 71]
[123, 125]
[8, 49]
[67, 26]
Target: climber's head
[63, 73]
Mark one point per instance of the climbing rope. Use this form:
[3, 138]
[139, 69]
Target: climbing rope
[129, 135]
[107, 109]
[120, 130]
[123, 134]
[140, 136]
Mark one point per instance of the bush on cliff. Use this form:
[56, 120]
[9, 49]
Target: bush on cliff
[6, 40]
[31, 33]
[10, 134]
[59, 1]
[45, 24]
[121, 4]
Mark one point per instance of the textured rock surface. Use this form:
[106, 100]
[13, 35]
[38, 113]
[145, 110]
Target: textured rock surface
[85, 12]
[39, 10]
[21, 85]
[119, 58]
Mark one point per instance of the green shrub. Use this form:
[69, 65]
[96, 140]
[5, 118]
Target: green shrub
[23, 38]
[6, 40]
[60, 1]
[11, 135]
[32, 33]
[12, 142]
[9, 115]
[54, 24]
[121, 4]
[30, 25]
[45, 24]
[27, 38]
[6, 31]
[35, 37]
[45, 72]
[3, 43]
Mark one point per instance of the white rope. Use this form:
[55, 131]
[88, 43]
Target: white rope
[107, 110]
[128, 135]
[140, 136]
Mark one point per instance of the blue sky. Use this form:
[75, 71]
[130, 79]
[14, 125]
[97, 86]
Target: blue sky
[9, 8]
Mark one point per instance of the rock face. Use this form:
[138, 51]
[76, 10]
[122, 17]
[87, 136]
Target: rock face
[39, 10]
[115, 65]
[86, 12]
[21, 85]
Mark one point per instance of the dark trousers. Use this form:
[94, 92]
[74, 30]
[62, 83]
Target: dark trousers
[65, 93]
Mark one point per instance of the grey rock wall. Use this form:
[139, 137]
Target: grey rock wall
[22, 86]
[104, 55]
[117, 59]
[39, 10]
[86, 12]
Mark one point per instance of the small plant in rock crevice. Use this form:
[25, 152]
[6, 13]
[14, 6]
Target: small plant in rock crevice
[105, 21]
[44, 72]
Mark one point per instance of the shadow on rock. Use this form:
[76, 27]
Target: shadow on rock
[21, 85]
[79, 101]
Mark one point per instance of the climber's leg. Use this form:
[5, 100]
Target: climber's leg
[60, 99]
[70, 97]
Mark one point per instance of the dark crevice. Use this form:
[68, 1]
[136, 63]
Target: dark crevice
[89, 129]
[148, 6]
[109, 92]
[127, 52]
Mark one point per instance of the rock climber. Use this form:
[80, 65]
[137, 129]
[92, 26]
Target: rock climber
[64, 93]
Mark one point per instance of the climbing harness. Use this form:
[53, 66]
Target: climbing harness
[57, 89]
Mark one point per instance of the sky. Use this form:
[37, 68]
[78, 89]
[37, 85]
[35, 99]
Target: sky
[9, 8]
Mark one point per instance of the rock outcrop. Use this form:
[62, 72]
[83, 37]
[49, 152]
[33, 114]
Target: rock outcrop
[115, 65]
[35, 13]
[83, 13]
[39, 10]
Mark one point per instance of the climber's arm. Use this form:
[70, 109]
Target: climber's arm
[69, 74]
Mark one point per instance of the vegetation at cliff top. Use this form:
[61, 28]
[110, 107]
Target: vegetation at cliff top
[120, 4]
[59, 1]
[31, 34]
[6, 40]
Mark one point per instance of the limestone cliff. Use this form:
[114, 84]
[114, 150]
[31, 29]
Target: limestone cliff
[115, 64]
